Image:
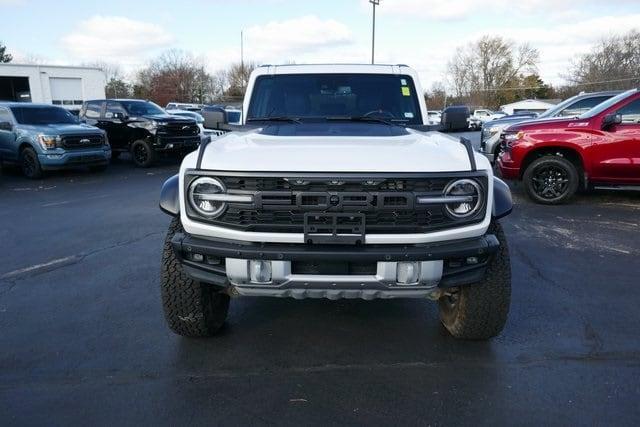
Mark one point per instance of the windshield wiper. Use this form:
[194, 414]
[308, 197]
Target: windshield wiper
[274, 119]
[388, 122]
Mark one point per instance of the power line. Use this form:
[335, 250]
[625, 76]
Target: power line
[497, 89]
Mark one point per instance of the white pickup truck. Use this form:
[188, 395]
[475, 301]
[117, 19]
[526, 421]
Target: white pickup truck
[334, 187]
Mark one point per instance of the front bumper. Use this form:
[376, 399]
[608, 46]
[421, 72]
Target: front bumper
[76, 158]
[176, 143]
[224, 264]
[509, 169]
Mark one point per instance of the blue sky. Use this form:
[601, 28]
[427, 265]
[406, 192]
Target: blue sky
[421, 33]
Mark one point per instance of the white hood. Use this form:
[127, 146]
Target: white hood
[414, 152]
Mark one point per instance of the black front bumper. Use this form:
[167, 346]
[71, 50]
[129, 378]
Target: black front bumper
[456, 272]
[176, 143]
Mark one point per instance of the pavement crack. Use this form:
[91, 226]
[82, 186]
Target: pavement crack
[12, 277]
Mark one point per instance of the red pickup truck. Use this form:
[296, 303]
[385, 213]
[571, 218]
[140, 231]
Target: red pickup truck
[556, 157]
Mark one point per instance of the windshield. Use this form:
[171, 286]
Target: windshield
[142, 108]
[335, 95]
[606, 104]
[43, 116]
[552, 112]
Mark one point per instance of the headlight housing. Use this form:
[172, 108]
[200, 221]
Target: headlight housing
[469, 195]
[202, 197]
[49, 142]
[151, 126]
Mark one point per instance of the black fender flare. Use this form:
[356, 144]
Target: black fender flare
[170, 196]
[502, 201]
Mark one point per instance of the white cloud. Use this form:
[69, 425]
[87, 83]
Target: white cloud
[115, 39]
[282, 39]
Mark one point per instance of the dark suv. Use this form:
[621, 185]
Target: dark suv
[141, 128]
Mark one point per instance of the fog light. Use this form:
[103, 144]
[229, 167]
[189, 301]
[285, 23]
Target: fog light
[408, 273]
[213, 260]
[260, 271]
[197, 257]
[472, 260]
[169, 146]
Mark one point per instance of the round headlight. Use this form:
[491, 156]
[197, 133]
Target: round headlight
[200, 192]
[469, 193]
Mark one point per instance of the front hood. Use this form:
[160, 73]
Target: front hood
[556, 121]
[295, 148]
[62, 129]
[169, 118]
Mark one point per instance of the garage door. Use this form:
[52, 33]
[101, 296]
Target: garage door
[66, 91]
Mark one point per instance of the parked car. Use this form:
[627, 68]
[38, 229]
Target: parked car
[555, 157]
[332, 191]
[487, 115]
[572, 107]
[141, 128]
[183, 106]
[474, 123]
[434, 117]
[42, 137]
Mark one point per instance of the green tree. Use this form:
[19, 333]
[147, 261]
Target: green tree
[118, 88]
[4, 57]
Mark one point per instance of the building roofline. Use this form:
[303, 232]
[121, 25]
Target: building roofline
[73, 67]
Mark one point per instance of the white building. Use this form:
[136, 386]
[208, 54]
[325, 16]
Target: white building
[51, 84]
[532, 105]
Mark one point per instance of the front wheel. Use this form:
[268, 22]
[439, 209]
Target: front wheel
[30, 163]
[479, 311]
[551, 180]
[142, 154]
[191, 308]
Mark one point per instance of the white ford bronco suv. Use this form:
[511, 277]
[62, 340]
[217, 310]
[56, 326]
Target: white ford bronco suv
[334, 187]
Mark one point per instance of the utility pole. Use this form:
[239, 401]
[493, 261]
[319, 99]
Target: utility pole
[373, 30]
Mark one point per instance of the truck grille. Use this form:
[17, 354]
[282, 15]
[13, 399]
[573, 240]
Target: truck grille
[178, 129]
[387, 204]
[77, 142]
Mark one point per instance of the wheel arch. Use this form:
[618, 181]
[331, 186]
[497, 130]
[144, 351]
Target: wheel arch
[572, 154]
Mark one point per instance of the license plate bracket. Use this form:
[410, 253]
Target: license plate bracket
[334, 228]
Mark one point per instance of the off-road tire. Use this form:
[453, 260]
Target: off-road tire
[142, 154]
[480, 310]
[191, 308]
[558, 163]
[30, 164]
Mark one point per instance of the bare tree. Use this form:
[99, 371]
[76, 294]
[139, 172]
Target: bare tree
[613, 63]
[235, 78]
[176, 76]
[480, 69]
[4, 56]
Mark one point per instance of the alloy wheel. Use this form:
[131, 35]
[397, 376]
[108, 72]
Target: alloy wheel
[550, 181]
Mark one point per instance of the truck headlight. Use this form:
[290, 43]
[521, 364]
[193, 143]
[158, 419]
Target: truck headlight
[48, 142]
[151, 126]
[202, 197]
[468, 195]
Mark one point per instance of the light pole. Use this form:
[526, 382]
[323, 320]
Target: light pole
[373, 30]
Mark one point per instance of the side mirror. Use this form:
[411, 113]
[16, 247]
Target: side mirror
[610, 120]
[215, 119]
[6, 126]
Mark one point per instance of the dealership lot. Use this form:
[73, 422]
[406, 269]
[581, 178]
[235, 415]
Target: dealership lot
[83, 338]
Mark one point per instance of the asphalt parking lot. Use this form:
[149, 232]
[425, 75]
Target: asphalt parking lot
[83, 340]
